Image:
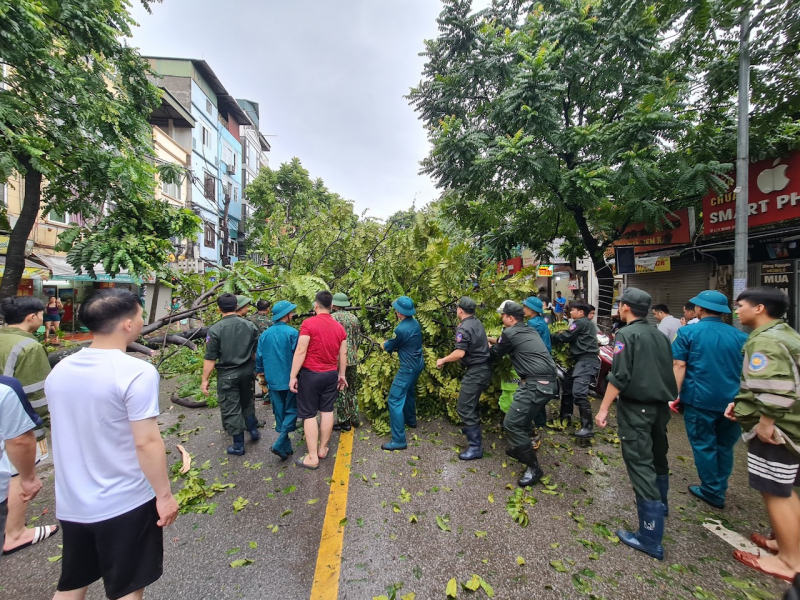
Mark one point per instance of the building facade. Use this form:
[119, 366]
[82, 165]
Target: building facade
[255, 150]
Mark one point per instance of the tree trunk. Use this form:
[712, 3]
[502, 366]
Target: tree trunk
[15, 256]
[605, 278]
[226, 261]
[605, 285]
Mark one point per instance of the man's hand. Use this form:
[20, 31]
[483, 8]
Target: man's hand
[30, 487]
[440, 363]
[601, 419]
[729, 414]
[342, 382]
[673, 406]
[204, 387]
[261, 379]
[293, 385]
[765, 429]
[167, 510]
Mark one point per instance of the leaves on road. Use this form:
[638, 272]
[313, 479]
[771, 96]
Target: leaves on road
[242, 562]
[239, 504]
[442, 522]
[452, 588]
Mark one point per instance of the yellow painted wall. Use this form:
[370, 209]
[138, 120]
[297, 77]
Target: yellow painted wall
[169, 150]
[45, 232]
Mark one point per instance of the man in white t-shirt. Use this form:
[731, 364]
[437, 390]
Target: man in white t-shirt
[667, 324]
[113, 493]
[18, 441]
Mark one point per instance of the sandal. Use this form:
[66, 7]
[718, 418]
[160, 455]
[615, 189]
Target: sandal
[749, 559]
[327, 453]
[299, 462]
[39, 534]
[761, 541]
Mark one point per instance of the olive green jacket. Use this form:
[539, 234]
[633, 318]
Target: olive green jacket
[770, 382]
[23, 357]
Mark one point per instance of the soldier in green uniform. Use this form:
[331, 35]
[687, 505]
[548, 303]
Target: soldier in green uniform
[641, 375]
[538, 385]
[582, 339]
[346, 406]
[768, 408]
[261, 318]
[231, 348]
[472, 351]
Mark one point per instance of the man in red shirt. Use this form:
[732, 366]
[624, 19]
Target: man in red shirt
[318, 373]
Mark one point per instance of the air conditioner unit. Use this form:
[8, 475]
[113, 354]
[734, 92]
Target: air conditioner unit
[231, 169]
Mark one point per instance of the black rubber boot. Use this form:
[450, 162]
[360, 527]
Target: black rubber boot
[651, 529]
[587, 424]
[237, 449]
[474, 439]
[527, 456]
[251, 423]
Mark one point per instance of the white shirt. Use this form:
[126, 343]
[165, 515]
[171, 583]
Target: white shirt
[14, 422]
[93, 397]
[669, 326]
[693, 321]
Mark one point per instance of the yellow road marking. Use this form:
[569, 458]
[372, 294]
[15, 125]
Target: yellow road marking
[329, 558]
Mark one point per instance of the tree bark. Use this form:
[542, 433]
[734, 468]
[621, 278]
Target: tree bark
[15, 255]
[605, 278]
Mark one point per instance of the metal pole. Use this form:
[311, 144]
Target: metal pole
[742, 161]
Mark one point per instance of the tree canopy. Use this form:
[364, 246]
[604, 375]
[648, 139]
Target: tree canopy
[572, 118]
[74, 108]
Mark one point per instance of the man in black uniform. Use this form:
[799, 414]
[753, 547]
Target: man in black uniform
[538, 385]
[642, 376]
[472, 351]
[231, 349]
[582, 339]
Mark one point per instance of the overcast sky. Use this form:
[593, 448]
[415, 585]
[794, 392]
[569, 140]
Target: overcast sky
[329, 76]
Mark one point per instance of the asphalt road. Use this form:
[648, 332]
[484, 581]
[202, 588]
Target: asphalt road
[418, 518]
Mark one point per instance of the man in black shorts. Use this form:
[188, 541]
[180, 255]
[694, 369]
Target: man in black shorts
[113, 494]
[318, 373]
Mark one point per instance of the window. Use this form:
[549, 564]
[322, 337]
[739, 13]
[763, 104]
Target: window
[208, 106]
[210, 238]
[235, 194]
[233, 248]
[210, 186]
[173, 190]
[57, 217]
[206, 137]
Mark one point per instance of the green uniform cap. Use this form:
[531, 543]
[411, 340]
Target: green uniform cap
[514, 309]
[468, 304]
[341, 300]
[242, 301]
[637, 299]
[712, 300]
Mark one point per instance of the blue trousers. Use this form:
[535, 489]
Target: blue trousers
[403, 403]
[712, 437]
[284, 407]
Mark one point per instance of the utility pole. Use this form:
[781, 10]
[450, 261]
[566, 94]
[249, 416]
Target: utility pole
[742, 161]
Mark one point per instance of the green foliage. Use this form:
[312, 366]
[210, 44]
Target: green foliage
[517, 506]
[187, 365]
[74, 109]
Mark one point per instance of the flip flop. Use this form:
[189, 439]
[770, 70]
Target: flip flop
[761, 541]
[327, 454]
[299, 462]
[749, 559]
[39, 534]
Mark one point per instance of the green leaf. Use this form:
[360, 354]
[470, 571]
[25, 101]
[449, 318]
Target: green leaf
[480, 534]
[287, 512]
[520, 561]
[491, 498]
[442, 524]
[558, 566]
[233, 550]
[343, 522]
[253, 545]
[473, 584]
[313, 501]
[452, 588]
[55, 558]
[242, 562]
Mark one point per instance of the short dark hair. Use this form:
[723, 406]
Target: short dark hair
[775, 302]
[661, 308]
[227, 302]
[582, 306]
[262, 305]
[105, 308]
[558, 291]
[689, 306]
[324, 298]
[16, 309]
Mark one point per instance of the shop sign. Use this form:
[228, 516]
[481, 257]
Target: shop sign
[545, 271]
[677, 228]
[659, 264]
[30, 272]
[584, 264]
[4, 245]
[778, 275]
[528, 258]
[774, 196]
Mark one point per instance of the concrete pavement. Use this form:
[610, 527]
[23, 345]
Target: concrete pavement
[417, 518]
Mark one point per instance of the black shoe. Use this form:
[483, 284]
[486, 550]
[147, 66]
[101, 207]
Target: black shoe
[527, 456]
[587, 424]
[355, 421]
[343, 426]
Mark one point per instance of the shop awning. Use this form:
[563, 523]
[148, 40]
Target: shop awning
[33, 270]
[59, 266]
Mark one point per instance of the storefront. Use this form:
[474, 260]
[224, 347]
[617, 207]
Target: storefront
[32, 275]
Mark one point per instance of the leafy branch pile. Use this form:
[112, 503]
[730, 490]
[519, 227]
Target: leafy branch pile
[195, 494]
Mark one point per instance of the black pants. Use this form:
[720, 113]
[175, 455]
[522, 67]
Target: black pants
[576, 386]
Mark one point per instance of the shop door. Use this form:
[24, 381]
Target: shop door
[675, 287]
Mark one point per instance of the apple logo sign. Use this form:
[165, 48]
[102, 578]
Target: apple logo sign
[774, 179]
